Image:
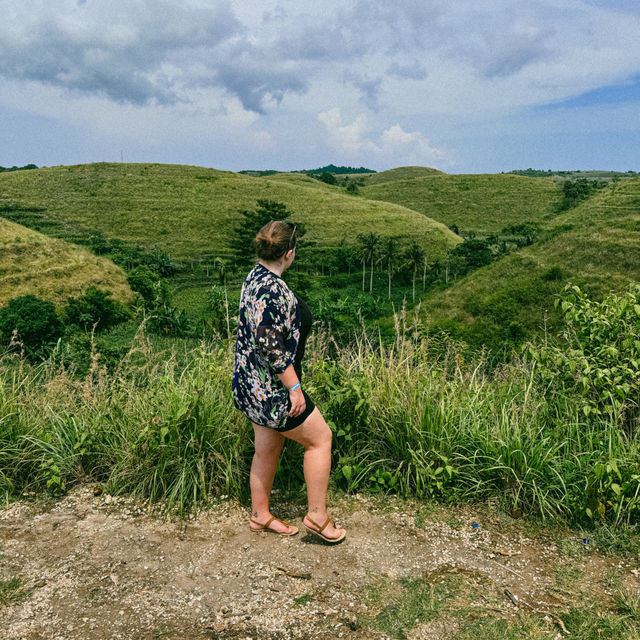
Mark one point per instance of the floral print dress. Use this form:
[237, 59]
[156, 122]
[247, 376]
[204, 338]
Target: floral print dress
[268, 335]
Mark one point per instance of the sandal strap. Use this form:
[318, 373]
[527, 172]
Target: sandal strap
[266, 524]
[269, 521]
[317, 526]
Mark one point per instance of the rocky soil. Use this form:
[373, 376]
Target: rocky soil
[98, 566]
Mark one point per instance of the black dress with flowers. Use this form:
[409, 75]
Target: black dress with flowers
[267, 341]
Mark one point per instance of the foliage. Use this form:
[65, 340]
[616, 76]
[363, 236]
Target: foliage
[414, 257]
[169, 321]
[575, 191]
[35, 321]
[368, 249]
[252, 221]
[523, 234]
[224, 310]
[414, 418]
[351, 186]
[598, 355]
[26, 167]
[143, 280]
[333, 169]
[597, 361]
[96, 308]
[327, 178]
[475, 252]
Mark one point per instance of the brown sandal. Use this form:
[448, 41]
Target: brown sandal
[318, 530]
[268, 529]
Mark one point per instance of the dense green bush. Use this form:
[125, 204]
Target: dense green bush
[597, 357]
[95, 308]
[35, 321]
[143, 280]
[167, 320]
[596, 361]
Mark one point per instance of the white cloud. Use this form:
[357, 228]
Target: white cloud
[347, 139]
[393, 147]
[243, 73]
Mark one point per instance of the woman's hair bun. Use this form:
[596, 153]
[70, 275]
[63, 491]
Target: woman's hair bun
[274, 240]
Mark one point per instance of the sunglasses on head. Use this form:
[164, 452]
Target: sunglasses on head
[291, 244]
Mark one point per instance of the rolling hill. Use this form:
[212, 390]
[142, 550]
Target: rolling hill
[595, 245]
[32, 263]
[399, 173]
[191, 211]
[484, 202]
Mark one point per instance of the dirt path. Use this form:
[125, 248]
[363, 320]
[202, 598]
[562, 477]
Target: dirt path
[95, 567]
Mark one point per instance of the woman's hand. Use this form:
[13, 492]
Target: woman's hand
[298, 403]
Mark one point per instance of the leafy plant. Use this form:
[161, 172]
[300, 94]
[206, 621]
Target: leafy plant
[95, 308]
[34, 320]
[598, 355]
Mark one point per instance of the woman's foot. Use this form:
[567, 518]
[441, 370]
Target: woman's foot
[324, 527]
[267, 522]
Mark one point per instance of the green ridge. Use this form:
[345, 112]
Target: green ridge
[190, 211]
[595, 245]
[473, 202]
[399, 173]
[32, 263]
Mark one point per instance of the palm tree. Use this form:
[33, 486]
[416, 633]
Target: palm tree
[361, 252]
[369, 242]
[221, 268]
[414, 257]
[388, 257]
[424, 272]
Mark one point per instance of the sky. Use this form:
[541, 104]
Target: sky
[465, 86]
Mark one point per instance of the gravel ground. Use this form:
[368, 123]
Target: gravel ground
[99, 566]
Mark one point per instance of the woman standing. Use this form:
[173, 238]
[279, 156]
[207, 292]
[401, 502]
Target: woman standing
[272, 331]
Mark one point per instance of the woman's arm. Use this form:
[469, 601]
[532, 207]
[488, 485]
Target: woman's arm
[289, 378]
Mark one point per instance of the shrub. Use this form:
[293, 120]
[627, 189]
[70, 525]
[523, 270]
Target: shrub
[552, 274]
[598, 355]
[142, 280]
[35, 321]
[167, 320]
[224, 310]
[95, 307]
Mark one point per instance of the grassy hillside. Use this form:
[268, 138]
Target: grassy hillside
[473, 202]
[399, 173]
[31, 263]
[596, 246]
[299, 179]
[190, 211]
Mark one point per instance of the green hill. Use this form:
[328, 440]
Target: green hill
[399, 173]
[31, 263]
[300, 179]
[191, 211]
[596, 246]
[472, 202]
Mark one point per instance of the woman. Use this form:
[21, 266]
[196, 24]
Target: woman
[272, 331]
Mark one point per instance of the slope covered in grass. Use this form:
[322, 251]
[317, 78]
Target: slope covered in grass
[473, 202]
[31, 263]
[189, 211]
[399, 173]
[596, 246]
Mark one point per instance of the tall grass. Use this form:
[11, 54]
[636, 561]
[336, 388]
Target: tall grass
[414, 417]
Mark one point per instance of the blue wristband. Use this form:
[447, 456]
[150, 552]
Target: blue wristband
[295, 386]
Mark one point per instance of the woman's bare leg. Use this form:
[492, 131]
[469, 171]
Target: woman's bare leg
[314, 434]
[268, 445]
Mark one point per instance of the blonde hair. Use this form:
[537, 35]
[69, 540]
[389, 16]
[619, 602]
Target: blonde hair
[275, 239]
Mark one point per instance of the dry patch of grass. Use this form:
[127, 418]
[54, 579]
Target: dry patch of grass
[31, 263]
